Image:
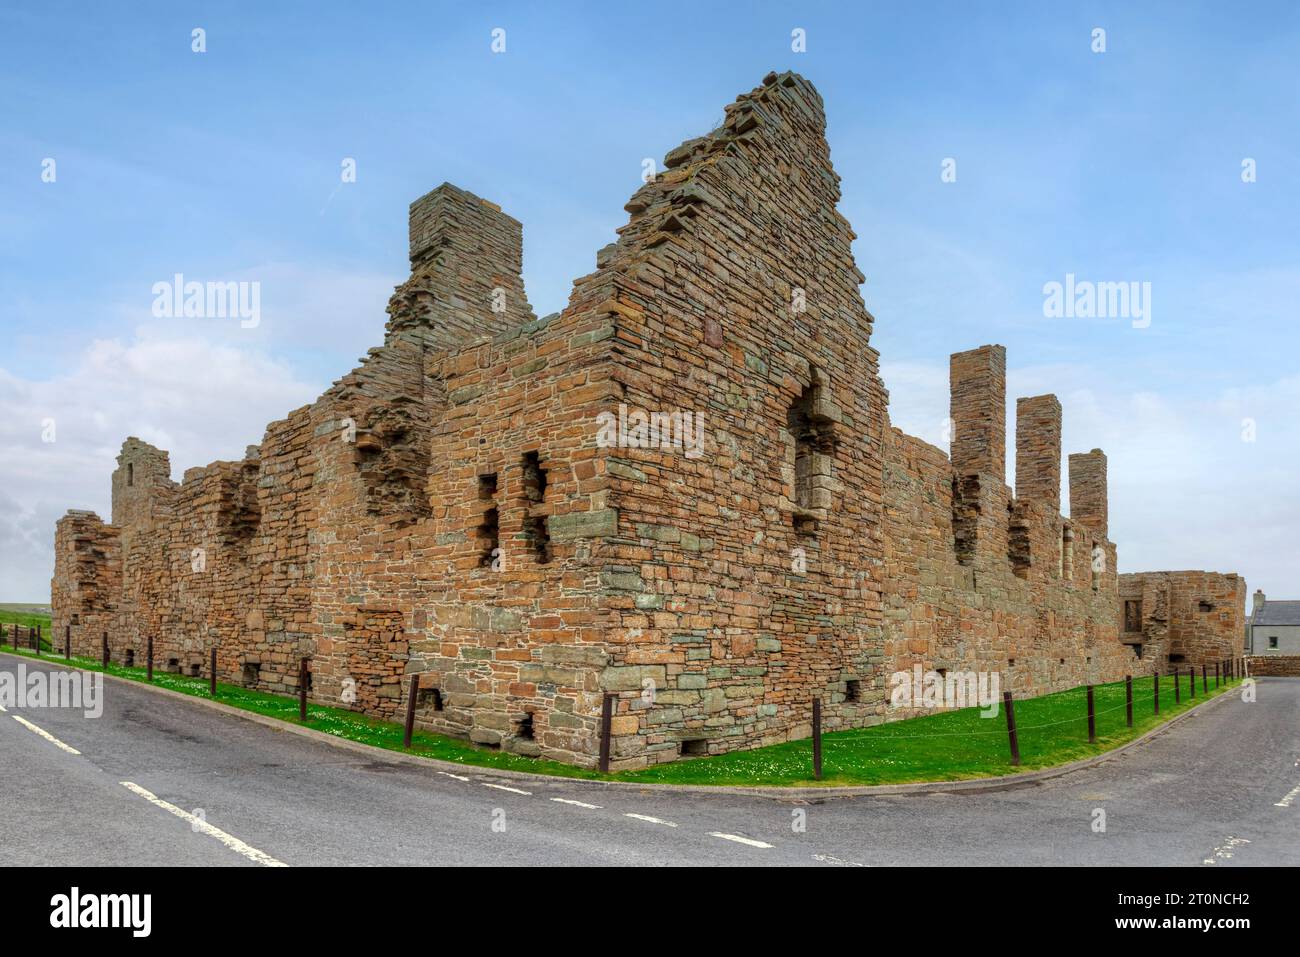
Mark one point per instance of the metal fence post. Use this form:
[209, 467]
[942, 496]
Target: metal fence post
[302, 690]
[149, 664]
[1177, 694]
[410, 710]
[1128, 699]
[1011, 727]
[1092, 719]
[817, 737]
[104, 649]
[212, 672]
[606, 723]
[1155, 687]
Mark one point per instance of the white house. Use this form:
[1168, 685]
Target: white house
[1274, 627]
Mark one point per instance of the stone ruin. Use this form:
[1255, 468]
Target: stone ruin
[683, 490]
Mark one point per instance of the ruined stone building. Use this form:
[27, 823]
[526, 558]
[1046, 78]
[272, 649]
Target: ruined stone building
[683, 489]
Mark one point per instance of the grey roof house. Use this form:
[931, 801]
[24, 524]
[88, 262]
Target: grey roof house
[1274, 627]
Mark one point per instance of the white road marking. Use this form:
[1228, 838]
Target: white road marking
[1224, 851]
[828, 859]
[502, 787]
[198, 824]
[1291, 796]
[652, 820]
[45, 734]
[589, 807]
[456, 776]
[738, 839]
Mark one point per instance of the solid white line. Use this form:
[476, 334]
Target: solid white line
[739, 840]
[456, 776]
[232, 842]
[502, 787]
[1291, 796]
[652, 820]
[45, 734]
[589, 807]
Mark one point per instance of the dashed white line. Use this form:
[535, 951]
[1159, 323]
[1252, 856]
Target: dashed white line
[829, 859]
[1291, 796]
[456, 776]
[502, 787]
[739, 840]
[589, 807]
[198, 824]
[651, 820]
[1224, 851]
[45, 734]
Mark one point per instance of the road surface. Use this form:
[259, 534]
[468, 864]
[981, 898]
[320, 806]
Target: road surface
[1219, 789]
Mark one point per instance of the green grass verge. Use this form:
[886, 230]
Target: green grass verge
[951, 746]
[18, 613]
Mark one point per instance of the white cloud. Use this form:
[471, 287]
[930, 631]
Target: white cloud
[198, 400]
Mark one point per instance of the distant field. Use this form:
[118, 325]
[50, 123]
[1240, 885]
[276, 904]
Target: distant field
[29, 615]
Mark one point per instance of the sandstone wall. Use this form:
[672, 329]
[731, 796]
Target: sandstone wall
[682, 490]
[1281, 666]
[1197, 617]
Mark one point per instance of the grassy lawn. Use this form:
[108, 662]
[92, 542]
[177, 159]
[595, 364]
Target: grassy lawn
[951, 746]
[28, 615]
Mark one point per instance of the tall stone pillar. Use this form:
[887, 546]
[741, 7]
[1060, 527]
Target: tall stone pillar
[1038, 451]
[1088, 494]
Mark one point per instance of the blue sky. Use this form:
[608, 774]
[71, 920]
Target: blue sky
[1115, 166]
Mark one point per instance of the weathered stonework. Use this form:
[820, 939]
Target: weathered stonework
[1186, 618]
[682, 490]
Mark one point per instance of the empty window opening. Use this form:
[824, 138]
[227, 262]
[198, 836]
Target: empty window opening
[489, 536]
[130, 658]
[539, 539]
[1011, 662]
[429, 698]
[1133, 615]
[813, 449]
[695, 747]
[1062, 661]
[130, 474]
[251, 672]
[1176, 659]
[534, 477]
[487, 487]
[524, 729]
[196, 670]
[1137, 649]
[853, 690]
[1207, 606]
[173, 665]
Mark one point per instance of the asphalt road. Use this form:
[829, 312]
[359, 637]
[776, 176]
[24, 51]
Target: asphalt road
[208, 788]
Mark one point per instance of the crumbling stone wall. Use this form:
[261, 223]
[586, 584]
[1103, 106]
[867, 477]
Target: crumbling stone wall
[682, 490]
[1193, 618]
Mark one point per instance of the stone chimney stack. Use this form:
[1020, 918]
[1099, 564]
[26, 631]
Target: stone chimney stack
[1038, 451]
[466, 282]
[1088, 494]
[978, 380]
[1258, 603]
